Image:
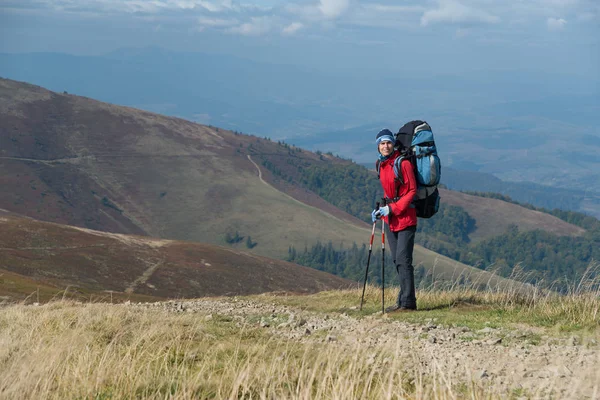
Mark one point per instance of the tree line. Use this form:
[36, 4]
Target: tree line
[351, 263]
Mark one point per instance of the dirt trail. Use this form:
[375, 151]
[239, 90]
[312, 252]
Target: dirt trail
[512, 363]
[142, 279]
[49, 161]
[128, 239]
[290, 197]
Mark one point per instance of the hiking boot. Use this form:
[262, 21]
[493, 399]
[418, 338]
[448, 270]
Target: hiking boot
[398, 309]
[392, 308]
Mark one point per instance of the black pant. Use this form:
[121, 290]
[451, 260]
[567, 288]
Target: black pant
[401, 246]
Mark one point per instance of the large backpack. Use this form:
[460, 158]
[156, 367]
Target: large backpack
[415, 142]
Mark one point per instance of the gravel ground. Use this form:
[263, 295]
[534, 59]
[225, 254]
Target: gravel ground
[520, 362]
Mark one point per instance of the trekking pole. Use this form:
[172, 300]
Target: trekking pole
[383, 263]
[368, 260]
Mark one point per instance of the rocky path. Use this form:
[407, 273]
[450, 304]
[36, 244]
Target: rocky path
[519, 362]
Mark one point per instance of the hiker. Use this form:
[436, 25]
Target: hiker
[400, 217]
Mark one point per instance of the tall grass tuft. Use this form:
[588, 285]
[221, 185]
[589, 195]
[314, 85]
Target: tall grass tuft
[577, 307]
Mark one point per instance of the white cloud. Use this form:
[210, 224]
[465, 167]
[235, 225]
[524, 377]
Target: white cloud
[556, 24]
[455, 12]
[217, 22]
[292, 28]
[309, 17]
[132, 6]
[333, 8]
[386, 8]
[323, 10]
[384, 16]
[256, 27]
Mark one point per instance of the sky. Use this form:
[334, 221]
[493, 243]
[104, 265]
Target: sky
[336, 36]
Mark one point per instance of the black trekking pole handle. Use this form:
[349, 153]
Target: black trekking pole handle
[368, 260]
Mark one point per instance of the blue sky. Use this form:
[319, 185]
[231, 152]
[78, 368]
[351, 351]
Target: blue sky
[339, 36]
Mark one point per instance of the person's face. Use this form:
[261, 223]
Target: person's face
[386, 148]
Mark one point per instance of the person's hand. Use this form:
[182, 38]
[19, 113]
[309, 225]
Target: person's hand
[374, 215]
[380, 212]
[383, 211]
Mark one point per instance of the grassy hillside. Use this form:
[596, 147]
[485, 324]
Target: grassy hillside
[76, 161]
[80, 162]
[493, 216]
[42, 260]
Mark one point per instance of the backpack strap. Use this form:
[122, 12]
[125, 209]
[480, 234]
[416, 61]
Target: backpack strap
[409, 156]
[398, 170]
[397, 176]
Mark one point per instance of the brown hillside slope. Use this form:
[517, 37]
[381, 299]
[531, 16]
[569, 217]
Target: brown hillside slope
[51, 256]
[77, 161]
[495, 216]
[46, 258]
[43, 260]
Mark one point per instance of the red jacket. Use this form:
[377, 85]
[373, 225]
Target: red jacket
[402, 214]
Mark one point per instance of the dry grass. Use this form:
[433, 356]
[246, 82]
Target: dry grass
[470, 307]
[577, 308]
[465, 304]
[102, 351]
[99, 351]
